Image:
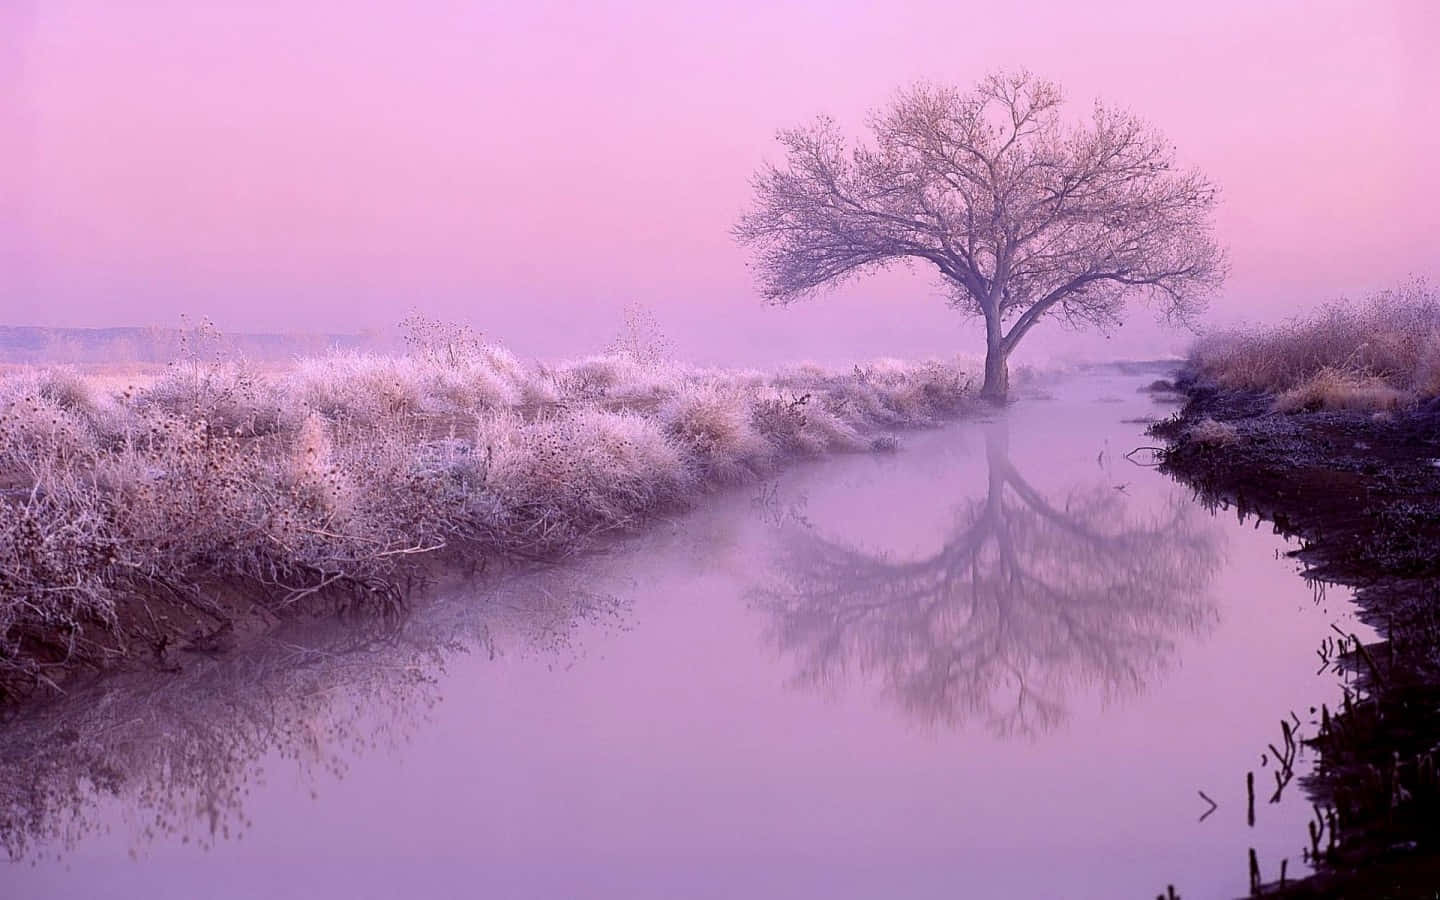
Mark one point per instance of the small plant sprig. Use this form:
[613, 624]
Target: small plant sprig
[641, 338]
[434, 340]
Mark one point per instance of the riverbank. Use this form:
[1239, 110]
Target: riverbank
[1361, 490]
[1078, 631]
[182, 513]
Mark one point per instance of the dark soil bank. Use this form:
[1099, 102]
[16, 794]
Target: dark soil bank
[1362, 493]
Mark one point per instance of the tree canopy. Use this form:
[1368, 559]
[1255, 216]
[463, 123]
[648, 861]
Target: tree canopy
[1024, 214]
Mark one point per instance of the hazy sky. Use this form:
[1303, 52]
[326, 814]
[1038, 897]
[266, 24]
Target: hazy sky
[530, 167]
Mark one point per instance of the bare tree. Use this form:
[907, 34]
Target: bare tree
[1025, 215]
[1026, 600]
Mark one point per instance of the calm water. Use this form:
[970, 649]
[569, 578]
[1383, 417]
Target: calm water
[999, 663]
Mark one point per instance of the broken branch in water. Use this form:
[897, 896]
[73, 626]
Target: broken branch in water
[1157, 456]
[1213, 806]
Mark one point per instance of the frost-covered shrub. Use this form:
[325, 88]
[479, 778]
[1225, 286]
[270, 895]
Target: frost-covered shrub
[859, 400]
[830, 432]
[562, 478]
[316, 473]
[361, 387]
[782, 422]
[466, 388]
[335, 477]
[712, 422]
[228, 395]
[57, 562]
[38, 435]
[66, 388]
[618, 377]
[1211, 432]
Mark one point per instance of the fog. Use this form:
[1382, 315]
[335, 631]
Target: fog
[532, 168]
[999, 663]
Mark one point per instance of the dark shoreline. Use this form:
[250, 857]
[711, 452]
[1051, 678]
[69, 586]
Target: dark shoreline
[1362, 493]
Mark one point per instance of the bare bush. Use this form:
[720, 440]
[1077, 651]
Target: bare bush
[641, 339]
[438, 341]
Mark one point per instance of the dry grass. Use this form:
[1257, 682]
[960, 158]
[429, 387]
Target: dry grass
[333, 479]
[1332, 388]
[1216, 434]
[1377, 354]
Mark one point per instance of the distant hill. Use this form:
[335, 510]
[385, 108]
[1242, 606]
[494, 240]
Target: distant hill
[34, 344]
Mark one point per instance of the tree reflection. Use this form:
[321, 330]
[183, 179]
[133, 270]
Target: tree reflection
[163, 756]
[1029, 599]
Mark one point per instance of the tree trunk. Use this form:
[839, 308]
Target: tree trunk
[997, 370]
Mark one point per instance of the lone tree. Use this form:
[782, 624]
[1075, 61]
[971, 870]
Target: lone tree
[1025, 215]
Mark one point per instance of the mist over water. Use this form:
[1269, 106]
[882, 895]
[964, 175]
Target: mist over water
[1009, 659]
[1003, 661]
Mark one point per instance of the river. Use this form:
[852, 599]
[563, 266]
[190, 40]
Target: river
[1004, 661]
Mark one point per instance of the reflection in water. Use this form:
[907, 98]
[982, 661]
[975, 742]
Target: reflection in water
[1029, 598]
[178, 754]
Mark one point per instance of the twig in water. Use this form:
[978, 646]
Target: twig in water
[1158, 456]
[1250, 794]
[1213, 806]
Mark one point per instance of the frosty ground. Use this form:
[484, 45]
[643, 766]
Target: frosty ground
[184, 510]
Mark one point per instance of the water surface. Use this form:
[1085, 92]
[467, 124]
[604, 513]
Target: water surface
[1002, 662]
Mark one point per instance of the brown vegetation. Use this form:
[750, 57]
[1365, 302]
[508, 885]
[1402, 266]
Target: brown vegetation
[1380, 354]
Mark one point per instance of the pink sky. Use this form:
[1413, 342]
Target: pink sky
[531, 167]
